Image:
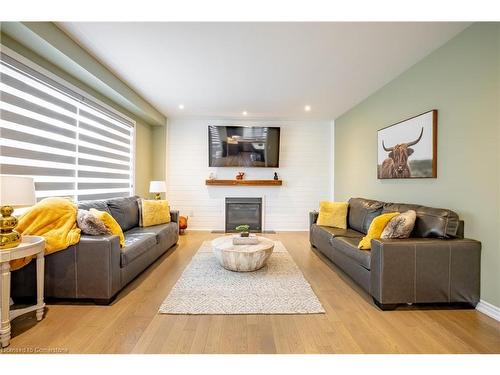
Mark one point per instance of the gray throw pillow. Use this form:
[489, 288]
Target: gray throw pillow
[89, 224]
[400, 226]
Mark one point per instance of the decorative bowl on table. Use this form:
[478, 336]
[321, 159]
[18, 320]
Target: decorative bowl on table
[250, 240]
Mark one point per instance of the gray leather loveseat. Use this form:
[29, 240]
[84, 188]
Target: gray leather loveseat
[435, 265]
[97, 268]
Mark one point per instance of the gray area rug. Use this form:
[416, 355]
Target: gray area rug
[205, 287]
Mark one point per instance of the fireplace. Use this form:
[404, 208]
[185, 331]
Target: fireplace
[243, 211]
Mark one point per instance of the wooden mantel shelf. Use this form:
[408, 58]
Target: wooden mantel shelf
[244, 182]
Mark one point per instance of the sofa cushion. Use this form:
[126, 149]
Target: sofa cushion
[100, 205]
[362, 212]
[349, 247]
[125, 211]
[431, 222]
[326, 234]
[163, 232]
[136, 244]
[338, 232]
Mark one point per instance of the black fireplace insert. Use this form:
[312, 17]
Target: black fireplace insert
[243, 211]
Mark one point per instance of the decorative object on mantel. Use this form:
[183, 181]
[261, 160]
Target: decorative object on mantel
[408, 149]
[183, 224]
[212, 176]
[157, 187]
[244, 182]
[240, 175]
[243, 229]
[275, 178]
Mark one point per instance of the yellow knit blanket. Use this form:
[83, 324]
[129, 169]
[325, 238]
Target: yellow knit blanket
[53, 219]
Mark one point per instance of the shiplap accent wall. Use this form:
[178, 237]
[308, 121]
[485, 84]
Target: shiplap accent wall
[305, 168]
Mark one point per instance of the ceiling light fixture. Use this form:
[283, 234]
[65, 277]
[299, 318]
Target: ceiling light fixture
[181, 106]
[244, 113]
[307, 108]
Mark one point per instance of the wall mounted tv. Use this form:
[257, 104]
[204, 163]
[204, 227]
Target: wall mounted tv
[243, 146]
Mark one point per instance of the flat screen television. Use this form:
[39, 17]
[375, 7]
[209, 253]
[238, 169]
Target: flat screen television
[243, 146]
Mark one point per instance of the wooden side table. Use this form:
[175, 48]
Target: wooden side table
[30, 245]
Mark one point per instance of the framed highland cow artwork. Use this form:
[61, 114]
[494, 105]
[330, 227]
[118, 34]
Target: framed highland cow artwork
[408, 149]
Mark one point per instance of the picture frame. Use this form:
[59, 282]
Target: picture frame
[408, 148]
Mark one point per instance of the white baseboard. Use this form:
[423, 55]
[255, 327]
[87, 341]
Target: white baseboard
[488, 309]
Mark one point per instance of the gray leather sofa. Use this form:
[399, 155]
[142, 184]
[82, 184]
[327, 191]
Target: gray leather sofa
[435, 265]
[97, 268]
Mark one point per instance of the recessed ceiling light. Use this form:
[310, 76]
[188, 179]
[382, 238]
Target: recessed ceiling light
[307, 108]
[244, 113]
[181, 106]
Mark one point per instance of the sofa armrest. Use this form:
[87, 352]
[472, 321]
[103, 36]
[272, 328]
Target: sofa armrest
[313, 217]
[425, 270]
[98, 267]
[174, 215]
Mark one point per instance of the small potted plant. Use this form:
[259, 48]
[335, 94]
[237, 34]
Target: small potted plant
[243, 229]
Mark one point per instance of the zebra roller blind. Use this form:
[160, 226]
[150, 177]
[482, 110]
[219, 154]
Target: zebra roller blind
[70, 145]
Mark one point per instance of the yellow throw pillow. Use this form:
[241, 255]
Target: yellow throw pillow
[375, 231]
[110, 223]
[154, 212]
[333, 214]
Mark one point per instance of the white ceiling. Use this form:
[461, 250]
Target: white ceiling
[270, 70]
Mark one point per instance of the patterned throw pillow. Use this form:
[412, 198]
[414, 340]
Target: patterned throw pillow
[110, 223]
[375, 230]
[333, 214]
[153, 212]
[400, 226]
[90, 224]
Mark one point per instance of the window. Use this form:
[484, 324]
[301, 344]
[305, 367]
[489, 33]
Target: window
[68, 143]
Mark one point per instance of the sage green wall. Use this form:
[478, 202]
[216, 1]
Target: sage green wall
[143, 158]
[462, 81]
[147, 143]
[159, 152]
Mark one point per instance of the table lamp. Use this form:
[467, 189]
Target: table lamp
[15, 191]
[157, 187]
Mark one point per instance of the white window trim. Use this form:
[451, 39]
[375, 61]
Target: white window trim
[22, 59]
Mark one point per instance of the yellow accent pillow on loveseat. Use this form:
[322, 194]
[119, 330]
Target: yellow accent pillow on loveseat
[110, 223]
[333, 214]
[154, 212]
[375, 230]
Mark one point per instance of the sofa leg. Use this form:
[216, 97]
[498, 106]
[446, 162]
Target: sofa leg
[385, 306]
[103, 301]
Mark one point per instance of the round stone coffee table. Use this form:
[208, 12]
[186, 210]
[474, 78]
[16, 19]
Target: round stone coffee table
[242, 258]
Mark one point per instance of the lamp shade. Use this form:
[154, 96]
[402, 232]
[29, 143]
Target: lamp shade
[157, 187]
[17, 191]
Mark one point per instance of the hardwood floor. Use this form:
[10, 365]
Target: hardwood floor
[352, 323]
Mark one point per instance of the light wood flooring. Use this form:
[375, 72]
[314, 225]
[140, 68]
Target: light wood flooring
[352, 323]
